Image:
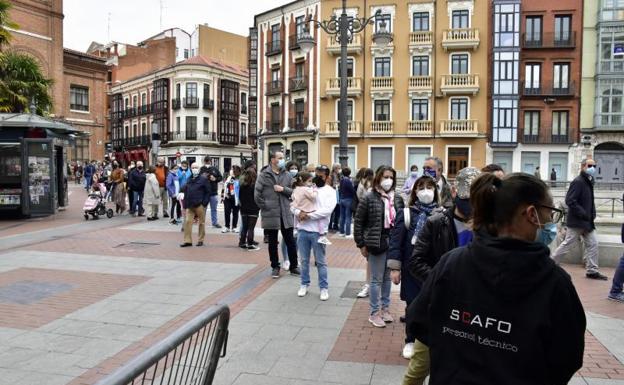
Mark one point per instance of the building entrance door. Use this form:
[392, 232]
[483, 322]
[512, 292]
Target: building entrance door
[609, 157]
[457, 159]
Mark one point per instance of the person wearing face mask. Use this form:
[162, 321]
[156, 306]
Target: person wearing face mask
[336, 175]
[272, 195]
[118, 186]
[374, 219]
[500, 311]
[136, 183]
[196, 196]
[422, 201]
[212, 173]
[433, 166]
[230, 203]
[409, 182]
[161, 172]
[580, 220]
[293, 168]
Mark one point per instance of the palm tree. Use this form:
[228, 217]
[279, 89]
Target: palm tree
[21, 82]
[5, 35]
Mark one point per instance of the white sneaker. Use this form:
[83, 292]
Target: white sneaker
[324, 294]
[408, 350]
[323, 240]
[303, 290]
[364, 292]
[225, 230]
[235, 230]
[350, 236]
[286, 265]
[341, 235]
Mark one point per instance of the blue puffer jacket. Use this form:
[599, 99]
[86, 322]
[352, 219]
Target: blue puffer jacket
[184, 176]
[400, 252]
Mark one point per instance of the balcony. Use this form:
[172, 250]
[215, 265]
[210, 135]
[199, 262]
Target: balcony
[274, 87]
[273, 48]
[354, 87]
[560, 139]
[465, 128]
[420, 128]
[195, 136]
[530, 139]
[550, 91]
[175, 104]
[273, 126]
[420, 84]
[135, 141]
[129, 112]
[382, 86]
[354, 46]
[208, 104]
[298, 83]
[293, 41]
[549, 40]
[460, 38]
[192, 102]
[353, 127]
[420, 41]
[298, 124]
[611, 66]
[460, 84]
[145, 109]
[383, 127]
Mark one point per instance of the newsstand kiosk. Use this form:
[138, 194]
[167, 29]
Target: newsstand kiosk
[33, 172]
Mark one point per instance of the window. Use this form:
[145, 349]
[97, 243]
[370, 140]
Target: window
[350, 153]
[275, 112]
[349, 67]
[243, 103]
[275, 75]
[191, 90]
[506, 28]
[505, 70]
[459, 64]
[299, 152]
[417, 155]
[299, 69]
[299, 25]
[460, 19]
[420, 21]
[135, 104]
[561, 77]
[420, 66]
[299, 114]
[207, 95]
[533, 28]
[275, 32]
[560, 121]
[206, 126]
[532, 75]
[563, 26]
[382, 110]
[505, 121]
[79, 98]
[531, 123]
[191, 127]
[609, 61]
[420, 109]
[611, 105]
[382, 67]
[243, 130]
[143, 129]
[177, 127]
[381, 156]
[143, 99]
[178, 85]
[135, 131]
[506, 73]
[349, 110]
[459, 109]
[186, 53]
[229, 98]
[383, 18]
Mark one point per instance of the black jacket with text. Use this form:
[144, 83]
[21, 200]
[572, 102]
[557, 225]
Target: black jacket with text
[499, 311]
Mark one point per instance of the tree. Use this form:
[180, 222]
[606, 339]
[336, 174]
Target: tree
[21, 82]
[5, 22]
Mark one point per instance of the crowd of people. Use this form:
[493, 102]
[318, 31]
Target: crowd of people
[481, 286]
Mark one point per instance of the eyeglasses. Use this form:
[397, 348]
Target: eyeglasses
[556, 214]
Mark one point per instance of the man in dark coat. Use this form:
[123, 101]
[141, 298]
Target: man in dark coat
[136, 184]
[580, 220]
[196, 195]
[210, 172]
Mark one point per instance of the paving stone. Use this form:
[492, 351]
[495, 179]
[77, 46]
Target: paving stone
[296, 368]
[36, 378]
[250, 362]
[388, 374]
[253, 379]
[315, 334]
[347, 372]
[285, 332]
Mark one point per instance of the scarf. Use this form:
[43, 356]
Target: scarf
[424, 211]
[387, 198]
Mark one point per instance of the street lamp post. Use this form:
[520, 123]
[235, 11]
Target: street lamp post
[343, 28]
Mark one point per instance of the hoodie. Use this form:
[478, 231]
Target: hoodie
[499, 311]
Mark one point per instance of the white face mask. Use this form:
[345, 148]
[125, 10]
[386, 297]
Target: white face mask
[425, 196]
[195, 171]
[386, 184]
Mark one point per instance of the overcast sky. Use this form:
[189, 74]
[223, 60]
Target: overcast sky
[132, 21]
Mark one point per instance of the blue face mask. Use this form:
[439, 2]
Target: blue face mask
[414, 174]
[591, 170]
[547, 234]
[281, 163]
[293, 173]
[430, 172]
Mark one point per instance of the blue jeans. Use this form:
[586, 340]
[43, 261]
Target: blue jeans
[306, 242]
[618, 278]
[380, 283]
[345, 216]
[137, 201]
[214, 201]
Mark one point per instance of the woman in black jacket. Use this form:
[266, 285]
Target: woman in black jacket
[375, 217]
[499, 311]
[248, 208]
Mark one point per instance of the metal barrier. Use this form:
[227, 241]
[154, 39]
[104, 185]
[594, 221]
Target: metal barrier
[609, 202]
[189, 355]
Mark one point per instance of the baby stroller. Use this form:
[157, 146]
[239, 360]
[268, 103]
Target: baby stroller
[95, 204]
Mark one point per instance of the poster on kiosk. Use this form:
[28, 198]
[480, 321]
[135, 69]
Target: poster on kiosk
[38, 177]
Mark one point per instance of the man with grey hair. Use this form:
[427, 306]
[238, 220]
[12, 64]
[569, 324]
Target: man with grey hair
[161, 175]
[580, 220]
[433, 166]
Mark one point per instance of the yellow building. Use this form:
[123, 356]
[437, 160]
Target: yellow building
[423, 95]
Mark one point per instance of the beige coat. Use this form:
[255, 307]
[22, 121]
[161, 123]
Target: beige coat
[151, 193]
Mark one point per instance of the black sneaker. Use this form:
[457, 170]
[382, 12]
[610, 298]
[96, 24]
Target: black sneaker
[186, 244]
[165, 215]
[275, 272]
[295, 271]
[216, 226]
[402, 319]
[242, 245]
[596, 275]
[255, 243]
[253, 248]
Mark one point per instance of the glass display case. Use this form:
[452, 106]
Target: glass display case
[10, 177]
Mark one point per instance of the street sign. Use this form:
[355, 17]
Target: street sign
[618, 49]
